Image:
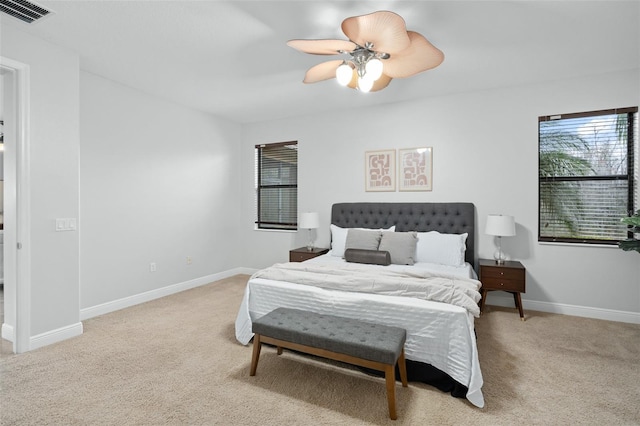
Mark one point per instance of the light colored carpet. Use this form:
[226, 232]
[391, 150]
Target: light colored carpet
[176, 361]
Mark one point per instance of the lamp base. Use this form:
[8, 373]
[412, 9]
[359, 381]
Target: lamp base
[310, 243]
[499, 257]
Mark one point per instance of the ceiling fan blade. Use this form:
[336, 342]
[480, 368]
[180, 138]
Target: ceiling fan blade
[322, 47]
[353, 84]
[419, 56]
[322, 71]
[379, 84]
[386, 30]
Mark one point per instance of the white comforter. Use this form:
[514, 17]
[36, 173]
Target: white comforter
[438, 333]
[418, 283]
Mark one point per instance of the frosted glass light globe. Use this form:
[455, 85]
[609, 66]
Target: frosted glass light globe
[365, 83]
[344, 74]
[374, 68]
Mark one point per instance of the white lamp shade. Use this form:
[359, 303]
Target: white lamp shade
[500, 225]
[309, 220]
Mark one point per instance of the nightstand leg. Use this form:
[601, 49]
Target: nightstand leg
[483, 297]
[518, 300]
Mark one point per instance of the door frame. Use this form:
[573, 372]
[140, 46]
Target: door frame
[18, 243]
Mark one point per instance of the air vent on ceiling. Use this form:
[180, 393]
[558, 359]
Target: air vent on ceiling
[24, 10]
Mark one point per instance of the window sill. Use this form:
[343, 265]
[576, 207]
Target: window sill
[551, 243]
[289, 231]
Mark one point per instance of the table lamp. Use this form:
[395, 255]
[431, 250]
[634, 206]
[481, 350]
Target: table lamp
[309, 221]
[500, 226]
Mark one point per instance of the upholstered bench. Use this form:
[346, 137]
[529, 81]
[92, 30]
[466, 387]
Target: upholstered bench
[375, 346]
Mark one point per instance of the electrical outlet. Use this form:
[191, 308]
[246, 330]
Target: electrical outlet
[188, 260]
[152, 267]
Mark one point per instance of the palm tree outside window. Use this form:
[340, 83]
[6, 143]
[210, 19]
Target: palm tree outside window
[587, 175]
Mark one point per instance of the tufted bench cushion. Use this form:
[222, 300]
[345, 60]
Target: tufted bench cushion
[349, 340]
[348, 336]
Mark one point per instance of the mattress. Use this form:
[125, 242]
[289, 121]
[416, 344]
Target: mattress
[438, 334]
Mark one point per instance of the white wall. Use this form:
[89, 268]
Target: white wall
[159, 184]
[53, 179]
[484, 151]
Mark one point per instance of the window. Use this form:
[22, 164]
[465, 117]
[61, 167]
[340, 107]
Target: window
[277, 185]
[586, 175]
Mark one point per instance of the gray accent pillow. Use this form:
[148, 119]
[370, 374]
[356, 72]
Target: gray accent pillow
[373, 257]
[363, 239]
[401, 246]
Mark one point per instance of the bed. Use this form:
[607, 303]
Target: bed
[441, 343]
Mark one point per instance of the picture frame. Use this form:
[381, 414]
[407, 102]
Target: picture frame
[380, 170]
[415, 169]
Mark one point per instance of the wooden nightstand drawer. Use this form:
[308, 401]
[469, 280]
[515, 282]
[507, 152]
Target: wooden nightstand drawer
[493, 283]
[502, 273]
[301, 254]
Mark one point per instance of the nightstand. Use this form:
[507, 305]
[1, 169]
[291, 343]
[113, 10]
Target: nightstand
[509, 277]
[301, 254]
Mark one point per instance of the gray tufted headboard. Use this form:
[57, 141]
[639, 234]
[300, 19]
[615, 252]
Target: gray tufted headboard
[446, 218]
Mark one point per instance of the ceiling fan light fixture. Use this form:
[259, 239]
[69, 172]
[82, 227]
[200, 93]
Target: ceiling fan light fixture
[379, 49]
[344, 73]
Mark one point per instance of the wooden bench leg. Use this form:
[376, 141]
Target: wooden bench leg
[257, 345]
[390, 377]
[402, 366]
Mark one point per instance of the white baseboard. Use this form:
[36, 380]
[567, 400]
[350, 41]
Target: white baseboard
[55, 336]
[247, 271]
[7, 332]
[46, 338]
[74, 330]
[564, 309]
[494, 299]
[136, 299]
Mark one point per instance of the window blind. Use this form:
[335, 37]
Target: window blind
[277, 185]
[586, 175]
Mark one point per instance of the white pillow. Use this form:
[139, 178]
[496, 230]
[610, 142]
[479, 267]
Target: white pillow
[445, 249]
[339, 238]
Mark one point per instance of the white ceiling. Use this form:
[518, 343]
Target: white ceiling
[229, 58]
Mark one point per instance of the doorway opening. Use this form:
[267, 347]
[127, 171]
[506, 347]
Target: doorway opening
[14, 90]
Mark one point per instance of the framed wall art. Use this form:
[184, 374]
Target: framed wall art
[415, 169]
[380, 170]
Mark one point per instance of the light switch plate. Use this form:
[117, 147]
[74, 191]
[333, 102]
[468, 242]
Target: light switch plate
[66, 224]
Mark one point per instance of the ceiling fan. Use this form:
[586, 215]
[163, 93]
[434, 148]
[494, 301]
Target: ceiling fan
[379, 49]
